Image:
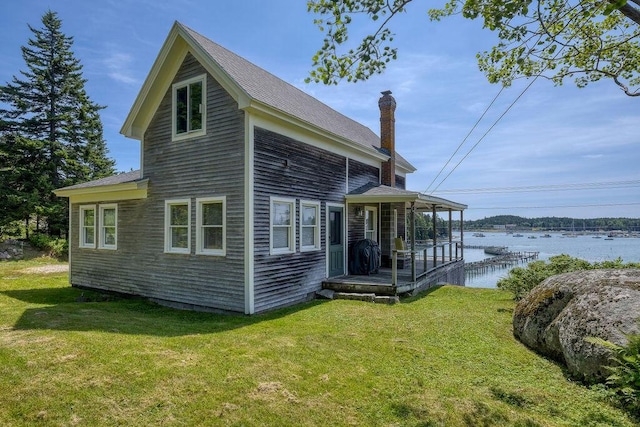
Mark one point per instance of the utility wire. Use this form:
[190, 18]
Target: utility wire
[488, 130]
[465, 138]
[554, 187]
[558, 206]
[494, 123]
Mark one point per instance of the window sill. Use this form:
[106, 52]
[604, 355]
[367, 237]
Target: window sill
[188, 135]
[176, 252]
[281, 252]
[212, 253]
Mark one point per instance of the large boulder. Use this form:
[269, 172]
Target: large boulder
[556, 316]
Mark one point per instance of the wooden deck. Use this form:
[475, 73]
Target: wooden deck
[381, 284]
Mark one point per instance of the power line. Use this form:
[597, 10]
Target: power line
[465, 138]
[536, 188]
[495, 122]
[557, 206]
[487, 132]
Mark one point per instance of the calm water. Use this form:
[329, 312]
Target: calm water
[584, 247]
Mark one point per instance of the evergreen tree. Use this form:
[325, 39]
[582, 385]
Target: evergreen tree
[49, 110]
[22, 181]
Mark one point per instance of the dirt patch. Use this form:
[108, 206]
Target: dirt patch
[47, 269]
[273, 391]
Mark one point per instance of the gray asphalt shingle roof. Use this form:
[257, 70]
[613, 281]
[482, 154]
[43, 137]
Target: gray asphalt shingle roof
[121, 178]
[375, 191]
[268, 89]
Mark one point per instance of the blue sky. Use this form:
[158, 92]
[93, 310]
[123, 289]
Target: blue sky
[577, 140]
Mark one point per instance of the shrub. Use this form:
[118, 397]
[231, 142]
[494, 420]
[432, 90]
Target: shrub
[617, 263]
[14, 229]
[624, 380]
[56, 247]
[521, 280]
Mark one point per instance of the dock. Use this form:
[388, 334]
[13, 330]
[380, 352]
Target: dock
[504, 260]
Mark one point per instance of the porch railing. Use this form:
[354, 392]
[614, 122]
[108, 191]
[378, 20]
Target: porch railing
[430, 257]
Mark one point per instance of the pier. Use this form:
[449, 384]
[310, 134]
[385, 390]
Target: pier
[503, 259]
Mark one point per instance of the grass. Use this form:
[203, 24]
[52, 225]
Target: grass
[444, 358]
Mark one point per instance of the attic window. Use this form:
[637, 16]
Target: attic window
[189, 108]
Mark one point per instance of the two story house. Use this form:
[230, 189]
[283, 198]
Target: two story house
[249, 194]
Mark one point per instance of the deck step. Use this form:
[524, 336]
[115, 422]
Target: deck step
[356, 296]
[359, 287]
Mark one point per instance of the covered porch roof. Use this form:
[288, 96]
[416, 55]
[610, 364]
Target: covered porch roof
[378, 193]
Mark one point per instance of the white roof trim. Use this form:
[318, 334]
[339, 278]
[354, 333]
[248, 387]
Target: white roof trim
[406, 197]
[103, 189]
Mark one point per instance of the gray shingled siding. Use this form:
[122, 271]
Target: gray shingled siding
[312, 174]
[209, 166]
[359, 175]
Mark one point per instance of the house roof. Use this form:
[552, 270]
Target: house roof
[124, 186]
[253, 88]
[378, 193]
[121, 178]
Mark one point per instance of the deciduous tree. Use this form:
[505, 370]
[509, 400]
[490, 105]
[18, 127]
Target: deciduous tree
[583, 40]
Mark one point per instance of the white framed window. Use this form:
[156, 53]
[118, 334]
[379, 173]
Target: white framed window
[177, 230]
[371, 223]
[309, 226]
[189, 110]
[283, 226]
[87, 230]
[108, 226]
[211, 226]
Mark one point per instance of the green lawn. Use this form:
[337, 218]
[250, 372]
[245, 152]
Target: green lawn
[444, 358]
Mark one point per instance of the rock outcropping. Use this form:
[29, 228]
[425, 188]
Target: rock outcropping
[11, 250]
[557, 316]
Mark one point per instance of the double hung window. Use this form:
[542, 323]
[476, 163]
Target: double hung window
[283, 231]
[178, 226]
[211, 226]
[189, 108]
[108, 227]
[309, 226]
[370, 223]
[87, 227]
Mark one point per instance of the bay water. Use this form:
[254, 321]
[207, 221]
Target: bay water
[588, 247]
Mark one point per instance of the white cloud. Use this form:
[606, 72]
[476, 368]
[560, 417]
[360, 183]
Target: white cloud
[118, 65]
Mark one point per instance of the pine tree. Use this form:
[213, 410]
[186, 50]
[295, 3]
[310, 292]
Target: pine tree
[49, 107]
[22, 181]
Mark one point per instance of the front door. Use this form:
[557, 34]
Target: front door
[335, 237]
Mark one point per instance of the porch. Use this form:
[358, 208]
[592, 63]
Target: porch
[426, 263]
[421, 272]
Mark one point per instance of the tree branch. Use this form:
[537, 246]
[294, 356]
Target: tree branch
[630, 11]
[625, 89]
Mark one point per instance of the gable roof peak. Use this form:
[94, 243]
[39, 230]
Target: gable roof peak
[251, 86]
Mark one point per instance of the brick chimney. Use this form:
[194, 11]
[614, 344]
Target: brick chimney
[387, 106]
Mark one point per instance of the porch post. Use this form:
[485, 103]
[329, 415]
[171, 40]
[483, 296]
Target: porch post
[461, 235]
[413, 241]
[450, 235]
[435, 235]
